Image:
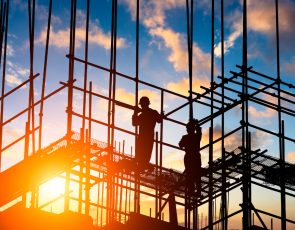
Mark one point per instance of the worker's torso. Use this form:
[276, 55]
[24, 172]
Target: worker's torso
[147, 122]
[191, 145]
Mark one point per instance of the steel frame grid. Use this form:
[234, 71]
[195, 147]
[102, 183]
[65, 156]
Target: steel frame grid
[113, 102]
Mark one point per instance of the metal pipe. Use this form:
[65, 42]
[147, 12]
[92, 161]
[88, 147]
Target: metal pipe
[70, 99]
[223, 197]
[85, 68]
[109, 191]
[157, 170]
[3, 84]
[44, 76]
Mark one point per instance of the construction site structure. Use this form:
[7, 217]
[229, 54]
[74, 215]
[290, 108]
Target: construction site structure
[119, 182]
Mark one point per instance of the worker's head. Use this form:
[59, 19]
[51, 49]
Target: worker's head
[144, 102]
[190, 127]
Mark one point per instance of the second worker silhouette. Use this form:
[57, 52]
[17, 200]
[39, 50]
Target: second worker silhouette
[146, 121]
[192, 159]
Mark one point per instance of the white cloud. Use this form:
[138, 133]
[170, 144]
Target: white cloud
[261, 18]
[12, 80]
[23, 72]
[9, 63]
[9, 50]
[152, 16]
[61, 38]
[12, 77]
[228, 43]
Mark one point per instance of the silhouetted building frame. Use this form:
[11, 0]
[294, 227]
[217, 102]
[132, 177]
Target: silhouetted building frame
[130, 183]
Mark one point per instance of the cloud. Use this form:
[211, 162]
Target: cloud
[19, 3]
[259, 139]
[152, 16]
[12, 35]
[290, 66]
[55, 128]
[9, 63]
[146, 58]
[100, 90]
[12, 77]
[15, 68]
[291, 157]
[179, 56]
[182, 86]
[42, 14]
[60, 39]
[11, 134]
[261, 18]
[12, 80]
[9, 50]
[227, 44]
[267, 113]
[129, 98]
[55, 19]
[174, 160]
[152, 12]
[78, 95]
[23, 72]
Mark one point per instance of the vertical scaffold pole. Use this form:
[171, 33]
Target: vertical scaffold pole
[3, 79]
[2, 15]
[210, 209]
[245, 189]
[85, 71]
[87, 187]
[157, 171]
[109, 190]
[223, 196]
[283, 179]
[137, 186]
[31, 90]
[87, 171]
[190, 49]
[70, 97]
[161, 149]
[44, 76]
[249, 178]
[281, 139]
[210, 203]
[113, 106]
[81, 168]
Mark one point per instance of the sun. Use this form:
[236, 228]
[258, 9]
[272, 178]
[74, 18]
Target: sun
[56, 187]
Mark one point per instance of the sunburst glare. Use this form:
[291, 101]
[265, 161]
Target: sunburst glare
[56, 187]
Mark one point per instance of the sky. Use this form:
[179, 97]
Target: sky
[162, 62]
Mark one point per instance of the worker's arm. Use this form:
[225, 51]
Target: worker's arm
[135, 117]
[134, 120]
[199, 133]
[159, 117]
[181, 143]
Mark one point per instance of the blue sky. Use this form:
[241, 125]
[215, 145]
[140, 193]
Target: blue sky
[162, 61]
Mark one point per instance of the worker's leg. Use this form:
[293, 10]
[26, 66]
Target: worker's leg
[189, 167]
[146, 152]
[198, 177]
[139, 149]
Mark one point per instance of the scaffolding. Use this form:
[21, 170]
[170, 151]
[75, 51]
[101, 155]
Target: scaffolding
[235, 168]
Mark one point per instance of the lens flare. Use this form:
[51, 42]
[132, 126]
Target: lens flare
[56, 187]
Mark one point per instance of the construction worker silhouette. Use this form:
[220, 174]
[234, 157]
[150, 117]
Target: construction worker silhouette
[146, 121]
[192, 159]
